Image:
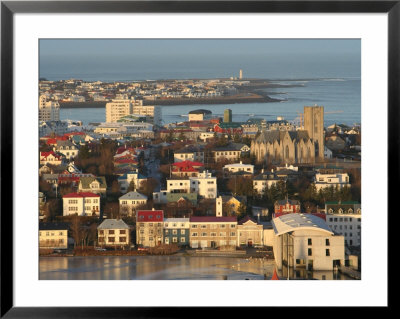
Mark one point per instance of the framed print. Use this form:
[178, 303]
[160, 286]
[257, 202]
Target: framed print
[185, 153]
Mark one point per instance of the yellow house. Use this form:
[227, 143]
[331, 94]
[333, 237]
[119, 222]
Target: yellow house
[53, 235]
[231, 204]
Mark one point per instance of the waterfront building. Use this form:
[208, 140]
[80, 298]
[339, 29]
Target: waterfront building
[117, 109]
[314, 125]
[48, 110]
[199, 115]
[67, 148]
[152, 111]
[344, 218]
[189, 153]
[113, 233]
[337, 180]
[306, 241]
[249, 232]
[149, 227]
[176, 231]
[53, 235]
[81, 204]
[213, 231]
[227, 116]
[93, 184]
[130, 202]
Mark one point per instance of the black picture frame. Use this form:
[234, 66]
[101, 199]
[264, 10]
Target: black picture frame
[9, 8]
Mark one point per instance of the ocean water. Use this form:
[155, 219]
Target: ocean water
[341, 98]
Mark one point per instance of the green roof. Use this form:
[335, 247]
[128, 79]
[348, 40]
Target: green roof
[86, 181]
[174, 197]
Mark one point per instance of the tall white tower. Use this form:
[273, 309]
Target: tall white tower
[240, 74]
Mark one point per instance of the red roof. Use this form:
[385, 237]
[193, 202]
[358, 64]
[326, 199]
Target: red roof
[150, 216]
[45, 154]
[211, 219]
[123, 149]
[81, 195]
[55, 139]
[125, 160]
[188, 164]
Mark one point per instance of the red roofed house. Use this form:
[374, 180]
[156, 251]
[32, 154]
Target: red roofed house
[51, 158]
[53, 140]
[149, 227]
[82, 204]
[286, 206]
[186, 168]
[212, 231]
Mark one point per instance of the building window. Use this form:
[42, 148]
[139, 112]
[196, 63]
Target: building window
[182, 232]
[111, 232]
[194, 234]
[111, 239]
[122, 231]
[174, 240]
[327, 242]
[309, 241]
[327, 252]
[309, 252]
[122, 239]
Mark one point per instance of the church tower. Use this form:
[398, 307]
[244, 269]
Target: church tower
[314, 124]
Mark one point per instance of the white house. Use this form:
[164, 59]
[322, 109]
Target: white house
[53, 235]
[67, 148]
[51, 158]
[327, 180]
[129, 202]
[238, 167]
[82, 204]
[264, 181]
[306, 241]
[113, 232]
[125, 180]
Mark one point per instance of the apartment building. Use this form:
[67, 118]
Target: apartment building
[176, 231]
[117, 109]
[149, 227]
[48, 110]
[81, 204]
[212, 231]
[339, 180]
[113, 232]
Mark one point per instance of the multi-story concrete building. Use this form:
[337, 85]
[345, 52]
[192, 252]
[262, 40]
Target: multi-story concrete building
[339, 180]
[114, 232]
[129, 203]
[149, 228]
[176, 231]
[81, 204]
[306, 241]
[227, 116]
[53, 235]
[152, 111]
[48, 110]
[210, 231]
[204, 184]
[117, 109]
[344, 218]
[199, 115]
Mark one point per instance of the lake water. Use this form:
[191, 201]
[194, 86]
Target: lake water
[341, 98]
[165, 268]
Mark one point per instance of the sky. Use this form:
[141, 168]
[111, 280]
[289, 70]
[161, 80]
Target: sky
[131, 59]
